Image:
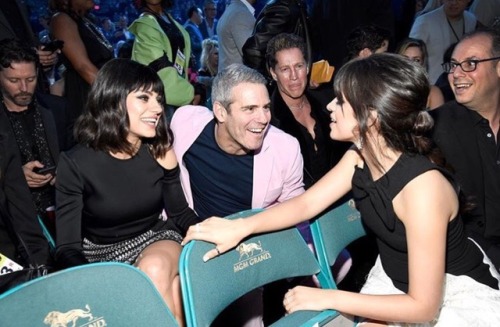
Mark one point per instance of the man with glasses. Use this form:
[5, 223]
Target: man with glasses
[466, 130]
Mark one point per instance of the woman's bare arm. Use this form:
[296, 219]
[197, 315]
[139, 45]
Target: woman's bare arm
[65, 29]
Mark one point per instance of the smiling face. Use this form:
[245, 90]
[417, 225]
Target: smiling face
[144, 111]
[475, 89]
[18, 84]
[241, 128]
[290, 73]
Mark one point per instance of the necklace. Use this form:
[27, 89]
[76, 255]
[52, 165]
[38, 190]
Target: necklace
[300, 105]
[453, 30]
[97, 33]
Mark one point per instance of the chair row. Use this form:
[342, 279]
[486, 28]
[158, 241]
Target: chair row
[115, 294]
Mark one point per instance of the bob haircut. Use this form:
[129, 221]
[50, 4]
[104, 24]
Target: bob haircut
[396, 89]
[104, 124]
[230, 77]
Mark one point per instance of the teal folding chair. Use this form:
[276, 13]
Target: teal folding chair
[47, 234]
[332, 232]
[209, 287]
[98, 294]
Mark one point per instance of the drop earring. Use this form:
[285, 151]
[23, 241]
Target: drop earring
[359, 143]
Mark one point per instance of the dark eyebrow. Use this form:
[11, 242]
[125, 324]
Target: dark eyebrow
[253, 106]
[148, 91]
[250, 106]
[466, 59]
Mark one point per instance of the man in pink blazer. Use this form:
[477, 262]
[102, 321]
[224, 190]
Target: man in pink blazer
[232, 159]
[277, 162]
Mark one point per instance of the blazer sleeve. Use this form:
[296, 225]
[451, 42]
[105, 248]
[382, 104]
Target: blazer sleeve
[242, 30]
[19, 204]
[150, 44]
[293, 183]
[194, 37]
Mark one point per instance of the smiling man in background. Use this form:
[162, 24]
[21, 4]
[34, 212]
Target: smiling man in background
[466, 130]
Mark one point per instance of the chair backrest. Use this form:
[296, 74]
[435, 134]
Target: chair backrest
[98, 294]
[47, 234]
[209, 287]
[332, 232]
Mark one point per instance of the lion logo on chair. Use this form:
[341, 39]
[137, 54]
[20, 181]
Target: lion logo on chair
[63, 319]
[248, 249]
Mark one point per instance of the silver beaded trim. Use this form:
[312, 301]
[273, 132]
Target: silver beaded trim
[126, 251]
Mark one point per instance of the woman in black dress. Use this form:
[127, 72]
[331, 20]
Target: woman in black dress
[428, 272]
[112, 187]
[85, 49]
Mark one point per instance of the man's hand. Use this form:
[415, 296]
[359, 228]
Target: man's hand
[33, 179]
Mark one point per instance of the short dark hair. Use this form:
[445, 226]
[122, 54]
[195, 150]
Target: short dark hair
[165, 4]
[396, 89]
[491, 33]
[13, 51]
[191, 11]
[104, 124]
[281, 42]
[367, 36]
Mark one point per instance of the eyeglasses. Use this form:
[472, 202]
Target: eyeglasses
[467, 66]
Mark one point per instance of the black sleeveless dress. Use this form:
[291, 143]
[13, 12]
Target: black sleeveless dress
[99, 52]
[374, 201]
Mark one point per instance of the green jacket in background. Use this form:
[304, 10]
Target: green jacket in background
[150, 44]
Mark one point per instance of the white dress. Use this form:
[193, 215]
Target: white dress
[466, 303]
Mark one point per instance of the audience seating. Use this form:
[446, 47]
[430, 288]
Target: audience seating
[47, 234]
[333, 231]
[210, 287]
[92, 295]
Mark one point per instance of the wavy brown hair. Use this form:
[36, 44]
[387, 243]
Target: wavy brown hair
[104, 124]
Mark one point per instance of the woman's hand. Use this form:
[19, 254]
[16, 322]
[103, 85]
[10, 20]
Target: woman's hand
[306, 298]
[224, 233]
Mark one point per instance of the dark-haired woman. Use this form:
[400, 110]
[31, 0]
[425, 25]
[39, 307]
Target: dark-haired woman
[164, 45]
[428, 272]
[85, 49]
[112, 187]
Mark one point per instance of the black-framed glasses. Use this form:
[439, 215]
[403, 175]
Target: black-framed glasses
[467, 66]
